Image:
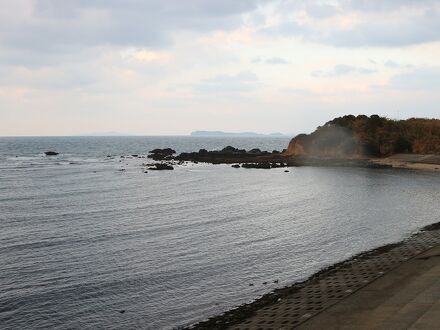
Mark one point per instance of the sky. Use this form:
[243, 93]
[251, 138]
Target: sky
[169, 67]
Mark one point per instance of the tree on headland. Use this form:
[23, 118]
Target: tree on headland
[369, 136]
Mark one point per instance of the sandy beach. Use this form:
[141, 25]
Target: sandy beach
[411, 161]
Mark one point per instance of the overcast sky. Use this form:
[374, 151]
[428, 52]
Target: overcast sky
[173, 66]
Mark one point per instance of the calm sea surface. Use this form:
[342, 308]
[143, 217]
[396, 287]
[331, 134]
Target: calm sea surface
[81, 240]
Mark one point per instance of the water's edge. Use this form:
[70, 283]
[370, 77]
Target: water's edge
[245, 311]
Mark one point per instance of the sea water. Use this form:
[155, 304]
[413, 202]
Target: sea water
[87, 234]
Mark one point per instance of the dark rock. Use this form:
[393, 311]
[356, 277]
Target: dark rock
[286, 171]
[165, 151]
[51, 153]
[134, 156]
[236, 166]
[229, 149]
[162, 154]
[161, 167]
[230, 155]
[122, 311]
[256, 165]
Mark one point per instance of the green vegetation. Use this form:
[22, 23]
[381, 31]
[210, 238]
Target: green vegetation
[370, 136]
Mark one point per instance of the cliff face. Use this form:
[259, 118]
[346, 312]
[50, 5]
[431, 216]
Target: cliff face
[362, 136]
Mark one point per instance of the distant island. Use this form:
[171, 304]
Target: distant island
[234, 134]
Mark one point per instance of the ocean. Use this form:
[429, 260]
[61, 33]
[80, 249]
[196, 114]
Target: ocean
[90, 241]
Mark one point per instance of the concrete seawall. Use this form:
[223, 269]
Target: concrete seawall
[395, 286]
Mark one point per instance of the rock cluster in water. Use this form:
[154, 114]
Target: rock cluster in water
[161, 167]
[229, 155]
[263, 165]
[162, 154]
[254, 158]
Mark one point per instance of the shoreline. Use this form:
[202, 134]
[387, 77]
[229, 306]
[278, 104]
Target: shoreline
[256, 158]
[246, 311]
[411, 161]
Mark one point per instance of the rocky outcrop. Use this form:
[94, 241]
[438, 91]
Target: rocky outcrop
[162, 154]
[328, 142]
[362, 137]
[51, 153]
[229, 155]
[263, 165]
[297, 146]
[161, 167]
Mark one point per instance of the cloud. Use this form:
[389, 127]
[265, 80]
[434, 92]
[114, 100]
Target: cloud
[366, 71]
[298, 91]
[92, 62]
[41, 32]
[286, 29]
[144, 55]
[244, 81]
[39, 27]
[44, 78]
[393, 65]
[321, 9]
[276, 60]
[352, 23]
[271, 60]
[342, 70]
[426, 79]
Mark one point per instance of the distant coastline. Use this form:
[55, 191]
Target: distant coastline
[236, 134]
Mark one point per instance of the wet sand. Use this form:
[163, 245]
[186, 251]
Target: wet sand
[397, 284]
